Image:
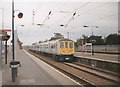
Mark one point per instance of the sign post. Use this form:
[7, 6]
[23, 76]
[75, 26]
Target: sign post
[5, 37]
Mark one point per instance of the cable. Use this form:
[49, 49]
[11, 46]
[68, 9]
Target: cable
[87, 11]
[102, 18]
[37, 9]
[75, 13]
[50, 13]
[83, 5]
[70, 19]
[83, 12]
[72, 12]
[46, 18]
[34, 12]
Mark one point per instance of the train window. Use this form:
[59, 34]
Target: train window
[49, 45]
[71, 44]
[56, 45]
[66, 44]
[61, 44]
[52, 46]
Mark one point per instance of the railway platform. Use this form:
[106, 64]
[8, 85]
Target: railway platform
[33, 72]
[109, 62]
[113, 58]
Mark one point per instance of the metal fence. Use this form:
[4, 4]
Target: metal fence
[111, 48]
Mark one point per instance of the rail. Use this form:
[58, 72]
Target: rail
[80, 76]
[100, 73]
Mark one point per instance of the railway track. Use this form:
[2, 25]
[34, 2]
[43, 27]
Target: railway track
[98, 72]
[84, 78]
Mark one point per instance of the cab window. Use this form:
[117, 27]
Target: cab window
[61, 44]
[66, 44]
[71, 44]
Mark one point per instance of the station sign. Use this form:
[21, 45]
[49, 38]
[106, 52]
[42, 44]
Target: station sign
[4, 36]
[88, 44]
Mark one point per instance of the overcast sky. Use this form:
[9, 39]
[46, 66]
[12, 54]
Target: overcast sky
[90, 12]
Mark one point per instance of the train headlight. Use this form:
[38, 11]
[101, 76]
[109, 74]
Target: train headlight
[67, 58]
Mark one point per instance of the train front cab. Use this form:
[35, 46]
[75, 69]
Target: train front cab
[66, 50]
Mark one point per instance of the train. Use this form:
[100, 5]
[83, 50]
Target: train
[62, 49]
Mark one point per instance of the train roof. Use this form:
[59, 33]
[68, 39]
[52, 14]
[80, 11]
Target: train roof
[65, 39]
[55, 41]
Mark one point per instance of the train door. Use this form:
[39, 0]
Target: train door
[69, 47]
[64, 47]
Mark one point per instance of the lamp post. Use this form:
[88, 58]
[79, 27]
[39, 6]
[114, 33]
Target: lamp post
[68, 34]
[13, 31]
[92, 41]
[14, 64]
[82, 38]
[71, 36]
[20, 15]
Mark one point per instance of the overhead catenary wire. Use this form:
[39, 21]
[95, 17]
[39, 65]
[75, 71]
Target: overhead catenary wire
[70, 19]
[57, 10]
[83, 5]
[33, 16]
[101, 18]
[46, 18]
[71, 12]
[37, 9]
[80, 13]
[50, 13]
[75, 13]
[96, 20]
[54, 11]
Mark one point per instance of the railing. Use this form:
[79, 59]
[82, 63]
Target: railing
[101, 48]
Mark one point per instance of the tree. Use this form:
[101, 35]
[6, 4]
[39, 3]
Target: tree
[79, 41]
[56, 36]
[113, 39]
[97, 40]
[40, 42]
[34, 43]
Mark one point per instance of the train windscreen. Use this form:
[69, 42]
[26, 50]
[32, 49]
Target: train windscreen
[71, 44]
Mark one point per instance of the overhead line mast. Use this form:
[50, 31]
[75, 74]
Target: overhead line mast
[33, 17]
